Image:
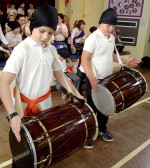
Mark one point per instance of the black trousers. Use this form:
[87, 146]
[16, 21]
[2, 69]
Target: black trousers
[102, 119]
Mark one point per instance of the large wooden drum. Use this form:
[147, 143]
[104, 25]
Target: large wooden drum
[53, 135]
[119, 91]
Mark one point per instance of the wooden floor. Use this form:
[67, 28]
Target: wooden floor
[130, 149]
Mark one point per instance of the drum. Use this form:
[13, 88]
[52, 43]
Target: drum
[119, 91]
[53, 135]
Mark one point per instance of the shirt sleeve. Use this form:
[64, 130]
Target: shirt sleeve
[89, 44]
[2, 37]
[15, 61]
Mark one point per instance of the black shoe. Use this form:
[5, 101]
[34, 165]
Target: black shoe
[89, 145]
[106, 136]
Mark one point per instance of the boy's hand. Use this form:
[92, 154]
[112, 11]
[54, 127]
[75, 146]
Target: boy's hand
[16, 127]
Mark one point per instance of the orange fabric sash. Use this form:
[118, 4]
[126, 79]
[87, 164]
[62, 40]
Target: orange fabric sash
[31, 108]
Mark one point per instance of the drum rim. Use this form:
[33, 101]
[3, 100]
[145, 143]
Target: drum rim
[114, 109]
[96, 122]
[142, 77]
[31, 144]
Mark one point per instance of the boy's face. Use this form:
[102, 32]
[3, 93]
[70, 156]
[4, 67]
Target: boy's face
[42, 35]
[107, 28]
[21, 20]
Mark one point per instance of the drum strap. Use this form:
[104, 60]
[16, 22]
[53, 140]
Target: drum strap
[118, 56]
[67, 81]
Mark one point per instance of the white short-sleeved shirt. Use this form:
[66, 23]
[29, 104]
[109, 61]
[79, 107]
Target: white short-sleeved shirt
[102, 50]
[12, 11]
[34, 68]
[13, 39]
[21, 11]
[59, 36]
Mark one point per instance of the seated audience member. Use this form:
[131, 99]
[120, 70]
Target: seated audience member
[21, 9]
[92, 29]
[77, 37]
[64, 57]
[12, 10]
[10, 18]
[21, 21]
[66, 22]
[117, 34]
[14, 37]
[30, 11]
[27, 31]
[4, 46]
[61, 32]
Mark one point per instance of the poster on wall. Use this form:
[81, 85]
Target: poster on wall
[132, 8]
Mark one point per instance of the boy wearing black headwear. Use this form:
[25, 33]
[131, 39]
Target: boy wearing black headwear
[98, 49]
[33, 63]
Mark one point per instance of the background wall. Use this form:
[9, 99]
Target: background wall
[90, 12]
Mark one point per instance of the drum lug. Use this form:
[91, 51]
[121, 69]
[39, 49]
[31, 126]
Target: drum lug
[43, 160]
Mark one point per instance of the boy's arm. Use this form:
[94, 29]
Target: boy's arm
[86, 63]
[5, 94]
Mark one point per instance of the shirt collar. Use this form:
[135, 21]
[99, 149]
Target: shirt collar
[101, 34]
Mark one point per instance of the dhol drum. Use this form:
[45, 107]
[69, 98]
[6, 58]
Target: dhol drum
[119, 91]
[53, 135]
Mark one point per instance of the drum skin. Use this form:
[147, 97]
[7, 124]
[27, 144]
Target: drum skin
[53, 135]
[119, 91]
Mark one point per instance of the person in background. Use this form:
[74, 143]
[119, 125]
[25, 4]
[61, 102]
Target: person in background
[32, 60]
[30, 11]
[12, 10]
[74, 78]
[21, 20]
[77, 36]
[10, 18]
[14, 37]
[92, 29]
[98, 54]
[117, 34]
[61, 32]
[21, 9]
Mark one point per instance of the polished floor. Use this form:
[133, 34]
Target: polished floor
[130, 149]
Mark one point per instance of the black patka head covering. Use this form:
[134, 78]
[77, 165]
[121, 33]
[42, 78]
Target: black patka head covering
[109, 16]
[44, 15]
[13, 25]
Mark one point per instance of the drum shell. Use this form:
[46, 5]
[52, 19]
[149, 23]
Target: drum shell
[121, 90]
[68, 128]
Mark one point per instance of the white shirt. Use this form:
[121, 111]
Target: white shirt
[102, 50]
[75, 32]
[59, 36]
[30, 12]
[34, 68]
[12, 11]
[13, 40]
[21, 11]
[2, 37]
